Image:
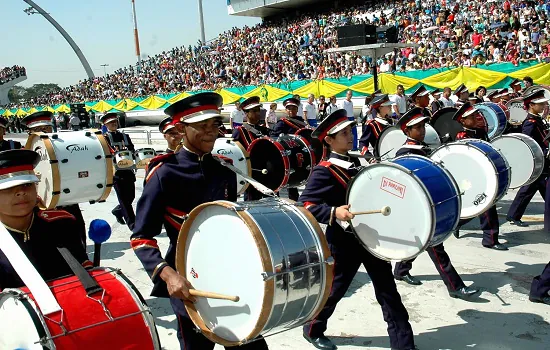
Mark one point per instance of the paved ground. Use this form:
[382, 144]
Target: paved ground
[501, 318]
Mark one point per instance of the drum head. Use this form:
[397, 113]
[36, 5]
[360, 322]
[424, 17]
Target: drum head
[432, 137]
[404, 233]
[517, 111]
[267, 154]
[389, 142]
[240, 157]
[300, 156]
[474, 173]
[319, 150]
[231, 266]
[443, 123]
[495, 118]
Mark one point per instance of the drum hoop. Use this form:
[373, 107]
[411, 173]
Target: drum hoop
[286, 161]
[248, 165]
[109, 166]
[265, 255]
[56, 176]
[426, 193]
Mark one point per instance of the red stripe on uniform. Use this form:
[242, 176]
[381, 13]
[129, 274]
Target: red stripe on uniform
[308, 205]
[139, 242]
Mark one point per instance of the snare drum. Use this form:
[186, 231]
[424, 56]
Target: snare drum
[285, 161]
[271, 254]
[125, 323]
[495, 117]
[144, 156]
[75, 167]
[319, 149]
[240, 157]
[124, 160]
[482, 173]
[424, 201]
[392, 138]
[524, 155]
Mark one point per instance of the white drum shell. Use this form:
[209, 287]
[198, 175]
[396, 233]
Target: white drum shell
[124, 160]
[144, 156]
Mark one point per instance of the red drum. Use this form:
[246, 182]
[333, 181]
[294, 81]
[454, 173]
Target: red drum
[321, 152]
[117, 318]
[285, 161]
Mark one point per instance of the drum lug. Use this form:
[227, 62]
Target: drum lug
[64, 161]
[228, 141]
[238, 208]
[87, 133]
[329, 261]
[98, 157]
[55, 136]
[242, 182]
[99, 185]
[44, 136]
[66, 190]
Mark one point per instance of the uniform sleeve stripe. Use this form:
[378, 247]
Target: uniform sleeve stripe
[173, 222]
[153, 171]
[308, 205]
[157, 269]
[138, 243]
[175, 212]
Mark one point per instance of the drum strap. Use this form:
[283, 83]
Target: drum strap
[263, 189]
[90, 285]
[125, 139]
[253, 130]
[297, 124]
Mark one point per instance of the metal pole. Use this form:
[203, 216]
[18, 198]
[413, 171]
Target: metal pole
[136, 36]
[65, 35]
[201, 23]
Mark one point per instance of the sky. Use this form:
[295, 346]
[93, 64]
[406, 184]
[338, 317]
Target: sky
[103, 29]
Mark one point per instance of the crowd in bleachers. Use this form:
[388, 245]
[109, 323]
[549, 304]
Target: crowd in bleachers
[9, 73]
[449, 34]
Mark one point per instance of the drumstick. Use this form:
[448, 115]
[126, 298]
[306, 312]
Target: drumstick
[210, 295]
[263, 171]
[384, 211]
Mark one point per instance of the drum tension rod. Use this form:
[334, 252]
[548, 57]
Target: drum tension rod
[270, 275]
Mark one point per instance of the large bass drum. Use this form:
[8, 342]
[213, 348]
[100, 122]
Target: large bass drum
[445, 125]
[283, 274]
[392, 138]
[75, 167]
[495, 117]
[240, 157]
[319, 149]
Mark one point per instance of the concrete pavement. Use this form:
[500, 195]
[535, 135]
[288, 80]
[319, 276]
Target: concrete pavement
[501, 318]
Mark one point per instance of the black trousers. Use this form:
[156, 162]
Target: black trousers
[125, 188]
[191, 339]
[442, 263]
[489, 225]
[74, 209]
[349, 255]
[541, 284]
[524, 196]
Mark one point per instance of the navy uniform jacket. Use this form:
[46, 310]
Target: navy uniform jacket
[326, 190]
[6, 145]
[371, 132]
[247, 133]
[459, 103]
[176, 184]
[288, 126]
[534, 126]
[472, 134]
[49, 229]
[412, 146]
[120, 141]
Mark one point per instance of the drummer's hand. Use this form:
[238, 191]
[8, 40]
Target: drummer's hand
[178, 286]
[343, 213]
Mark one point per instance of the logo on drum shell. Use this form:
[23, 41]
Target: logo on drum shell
[41, 153]
[393, 187]
[82, 174]
[194, 273]
[224, 152]
[76, 148]
[480, 199]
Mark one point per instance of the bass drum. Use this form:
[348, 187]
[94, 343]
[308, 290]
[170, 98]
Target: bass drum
[240, 157]
[284, 272]
[517, 111]
[495, 117]
[443, 123]
[392, 138]
[319, 149]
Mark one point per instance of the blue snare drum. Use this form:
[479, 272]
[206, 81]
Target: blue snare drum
[424, 201]
[495, 117]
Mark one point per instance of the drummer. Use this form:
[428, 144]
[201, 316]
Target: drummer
[42, 122]
[493, 96]
[504, 95]
[325, 197]
[515, 85]
[421, 98]
[533, 126]
[381, 106]
[474, 128]
[413, 124]
[540, 287]
[175, 186]
[462, 93]
[171, 134]
[37, 232]
[6, 144]
[436, 104]
[289, 126]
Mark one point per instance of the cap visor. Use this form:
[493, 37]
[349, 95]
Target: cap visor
[540, 100]
[40, 123]
[341, 126]
[201, 118]
[416, 121]
[470, 112]
[423, 93]
[291, 104]
[252, 106]
[18, 180]
[385, 104]
[110, 120]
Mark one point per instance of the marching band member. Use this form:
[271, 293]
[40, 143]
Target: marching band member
[37, 232]
[171, 134]
[493, 96]
[470, 118]
[515, 85]
[325, 197]
[124, 180]
[533, 126]
[6, 144]
[381, 107]
[413, 125]
[42, 122]
[175, 185]
[436, 104]
[462, 93]
[421, 98]
[540, 287]
[289, 126]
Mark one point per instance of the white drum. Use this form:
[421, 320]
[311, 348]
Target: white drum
[240, 157]
[517, 111]
[524, 156]
[143, 156]
[392, 138]
[481, 172]
[271, 254]
[124, 160]
[75, 167]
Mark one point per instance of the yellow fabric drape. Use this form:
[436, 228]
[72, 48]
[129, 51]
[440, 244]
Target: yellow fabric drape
[388, 82]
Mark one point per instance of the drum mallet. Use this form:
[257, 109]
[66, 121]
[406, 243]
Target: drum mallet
[384, 211]
[263, 171]
[99, 232]
[210, 295]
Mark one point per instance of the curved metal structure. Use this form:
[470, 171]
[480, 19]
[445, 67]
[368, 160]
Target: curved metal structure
[67, 37]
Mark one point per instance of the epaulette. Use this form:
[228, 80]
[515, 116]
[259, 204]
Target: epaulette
[325, 164]
[532, 120]
[54, 214]
[224, 158]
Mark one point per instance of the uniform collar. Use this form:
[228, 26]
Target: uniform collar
[416, 142]
[339, 156]
[187, 154]
[532, 115]
[26, 234]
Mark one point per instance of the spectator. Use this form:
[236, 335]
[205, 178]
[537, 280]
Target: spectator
[332, 106]
[237, 116]
[322, 108]
[310, 111]
[347, 104]
[446, 98]
[400, 101]
[301, 107]
[272, 115]
[75, 122]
